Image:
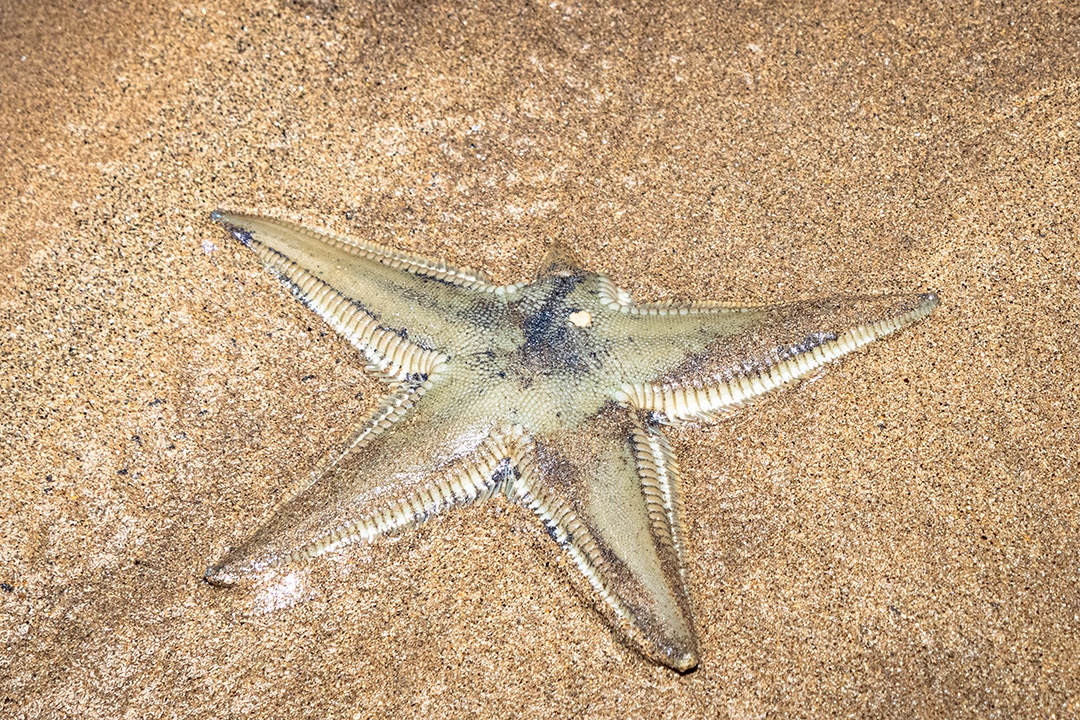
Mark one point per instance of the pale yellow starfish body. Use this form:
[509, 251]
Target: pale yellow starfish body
[554, 393]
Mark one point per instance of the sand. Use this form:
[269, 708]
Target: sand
[897, 538]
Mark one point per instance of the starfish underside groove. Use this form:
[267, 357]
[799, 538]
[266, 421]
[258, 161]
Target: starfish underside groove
[554, 393]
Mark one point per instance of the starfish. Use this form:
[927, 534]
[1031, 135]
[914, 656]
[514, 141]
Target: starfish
[554, 393]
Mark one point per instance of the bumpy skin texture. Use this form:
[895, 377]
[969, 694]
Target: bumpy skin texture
[552, 392]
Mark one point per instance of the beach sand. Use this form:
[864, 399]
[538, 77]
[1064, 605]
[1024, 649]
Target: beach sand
[897, 538]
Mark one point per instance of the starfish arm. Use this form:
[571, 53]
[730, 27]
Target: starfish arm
[394, 307]
[698, 362]
[607, 493]
[377, 483]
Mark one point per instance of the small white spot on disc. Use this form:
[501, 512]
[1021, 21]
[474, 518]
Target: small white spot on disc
[580, 318]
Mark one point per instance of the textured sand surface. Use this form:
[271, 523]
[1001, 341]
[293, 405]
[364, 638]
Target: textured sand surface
[897, 538]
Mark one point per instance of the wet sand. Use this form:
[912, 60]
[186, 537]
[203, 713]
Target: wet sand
[896, 538]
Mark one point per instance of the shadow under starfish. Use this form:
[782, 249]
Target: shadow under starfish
[553, 392]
